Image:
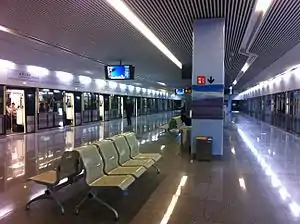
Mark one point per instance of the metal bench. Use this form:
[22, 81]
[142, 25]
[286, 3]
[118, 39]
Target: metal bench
[110, 158]
[174, 123]
[135, 151]
[125, 160]
[95, 177]
[67, 172]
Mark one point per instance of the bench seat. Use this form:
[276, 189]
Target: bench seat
[46, 178]
[110, 157]
[125, 159]
[154, 156]
[122, 182]
[135, 171]
[141, 162]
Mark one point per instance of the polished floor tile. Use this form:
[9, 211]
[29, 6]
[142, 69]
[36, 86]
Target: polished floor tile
[256, 182]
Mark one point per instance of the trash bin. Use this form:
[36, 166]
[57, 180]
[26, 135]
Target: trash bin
[204, 148]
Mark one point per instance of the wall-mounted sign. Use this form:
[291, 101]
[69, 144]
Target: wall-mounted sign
[201, 80]
[20, 75]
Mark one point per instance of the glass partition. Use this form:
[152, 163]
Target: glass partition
[87, 107]
[50, 110]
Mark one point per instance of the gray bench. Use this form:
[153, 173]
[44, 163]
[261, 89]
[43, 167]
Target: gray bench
[67, 172]
[110, 158]
[125, 160]
[95, 177]
[135, 150]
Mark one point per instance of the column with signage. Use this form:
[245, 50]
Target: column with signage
[208, 83]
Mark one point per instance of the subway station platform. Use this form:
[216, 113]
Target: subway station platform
[257, 180]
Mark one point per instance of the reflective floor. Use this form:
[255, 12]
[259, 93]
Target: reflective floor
[257, 181]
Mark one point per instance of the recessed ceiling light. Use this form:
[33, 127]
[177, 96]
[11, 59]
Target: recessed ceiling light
[85, 79]
[112, 84]
[162, 83]
[40, 71]
[128, 14]
[64, 76]
[4, 64]
[122, 86]
[87, 72]
[263, 5]
[245, 67]
[100, 82]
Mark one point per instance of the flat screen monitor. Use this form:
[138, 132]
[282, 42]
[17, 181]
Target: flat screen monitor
[179, 92]
[119, 72]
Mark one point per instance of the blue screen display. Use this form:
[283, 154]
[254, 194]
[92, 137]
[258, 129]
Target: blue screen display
[118, 72]
[179, 91]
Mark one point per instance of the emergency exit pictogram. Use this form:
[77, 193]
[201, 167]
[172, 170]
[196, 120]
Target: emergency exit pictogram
[201, 80]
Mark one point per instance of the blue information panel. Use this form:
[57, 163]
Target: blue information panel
[119, 72]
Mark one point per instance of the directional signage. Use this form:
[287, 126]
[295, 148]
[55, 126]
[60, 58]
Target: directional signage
[201, 80]
[210, 80]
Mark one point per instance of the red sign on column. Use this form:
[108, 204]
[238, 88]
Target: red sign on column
[201, 80]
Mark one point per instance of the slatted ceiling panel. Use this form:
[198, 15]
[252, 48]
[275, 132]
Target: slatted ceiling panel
[282, 21]
[172, 22]
[278, 34]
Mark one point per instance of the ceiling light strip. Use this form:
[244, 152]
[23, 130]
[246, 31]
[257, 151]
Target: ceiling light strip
[128, 14]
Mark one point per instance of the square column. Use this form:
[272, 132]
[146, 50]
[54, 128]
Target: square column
[208, 82]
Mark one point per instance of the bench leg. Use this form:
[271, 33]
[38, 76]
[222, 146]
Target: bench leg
[92, 195]
[47, 195]
[156, 168]
[89, 195]
[62, 210]
[40, 197]
[107, 206]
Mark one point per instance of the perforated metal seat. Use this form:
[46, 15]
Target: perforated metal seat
[110, 157]
[124, 154]
[134, 148]
[95, 177]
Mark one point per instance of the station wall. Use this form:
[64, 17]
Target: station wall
[281, 76]
[66, 81]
